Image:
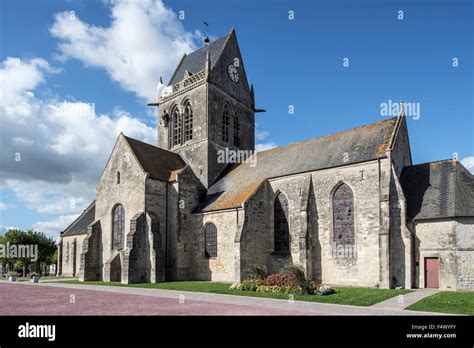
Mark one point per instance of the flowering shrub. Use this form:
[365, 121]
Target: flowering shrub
[275, 289]
[325, 290]
[249, 285]
[279, 279]
[293, 281]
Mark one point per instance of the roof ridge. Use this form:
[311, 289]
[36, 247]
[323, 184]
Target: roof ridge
[329, 135]
[86, 210]
[148, 144]
[437, 161]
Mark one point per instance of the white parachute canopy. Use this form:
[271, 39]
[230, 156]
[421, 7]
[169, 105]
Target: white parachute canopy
[163, 91]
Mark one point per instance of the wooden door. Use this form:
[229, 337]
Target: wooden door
[431, 272]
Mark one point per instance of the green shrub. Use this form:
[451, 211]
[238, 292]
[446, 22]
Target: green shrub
[256, 272]
[297, 273]
[249, 285]
[275, 289]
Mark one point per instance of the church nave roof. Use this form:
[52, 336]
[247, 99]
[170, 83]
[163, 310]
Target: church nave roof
[343, 148]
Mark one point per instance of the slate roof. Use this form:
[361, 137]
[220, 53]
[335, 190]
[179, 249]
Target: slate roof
[442, 189]
[79, 226]
[195, 61]
[160, 164]
[241, 180]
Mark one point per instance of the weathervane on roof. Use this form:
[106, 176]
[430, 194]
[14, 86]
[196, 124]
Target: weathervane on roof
[206, 38]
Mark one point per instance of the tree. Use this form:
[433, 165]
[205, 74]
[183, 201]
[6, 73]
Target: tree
[46, 249]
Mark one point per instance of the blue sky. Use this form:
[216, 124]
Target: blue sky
[81, 77]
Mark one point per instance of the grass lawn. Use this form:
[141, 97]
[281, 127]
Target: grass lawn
[343, 295]
[446, 302]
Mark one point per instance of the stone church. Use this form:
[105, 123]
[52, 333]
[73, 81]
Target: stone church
[351, 208]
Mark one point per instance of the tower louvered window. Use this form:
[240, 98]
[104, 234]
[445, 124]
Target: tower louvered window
[188, 122]
[176, 127]
[281, 227]
[343, 216]
[237, 129]
[225, 124]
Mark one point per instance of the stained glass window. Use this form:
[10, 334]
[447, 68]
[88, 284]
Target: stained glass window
[343, 215]
[118, 227]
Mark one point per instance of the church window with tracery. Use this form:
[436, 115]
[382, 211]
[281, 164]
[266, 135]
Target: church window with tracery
[343, 216]
[176, 127]
[281, 226]
[118, 227]
[188, 122]
[210, 241]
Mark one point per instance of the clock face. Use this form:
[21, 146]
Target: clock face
[233, 73]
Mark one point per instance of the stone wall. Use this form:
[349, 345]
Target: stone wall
[194, 151]
[189, 190]
[130, 192]
[157, 205]
[465, 253]
[310, 206]
[90, 267]
[401, 238]
[225, 267]
[437, 238]
[136, 260]
[71, 259]
[217, 101]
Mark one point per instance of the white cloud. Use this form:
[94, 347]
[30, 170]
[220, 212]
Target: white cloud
[4, 229]
[468, 162]
[53, 152]
[52, 227]
[265, 146]
[261, 135]
[5, 206]
[144, 41]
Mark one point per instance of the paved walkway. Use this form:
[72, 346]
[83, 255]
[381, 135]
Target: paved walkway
[54, 299]
[403, 301]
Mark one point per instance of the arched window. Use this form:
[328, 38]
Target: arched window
[225, 123]
[176, 127]
[67, 252]
[118, 224]
[188, 122]
[210, 241]
[281, 227]
[118, 177]
[237, 129]
[343, 216]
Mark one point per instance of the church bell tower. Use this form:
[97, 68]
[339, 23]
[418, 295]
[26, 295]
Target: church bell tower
[208, 107]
